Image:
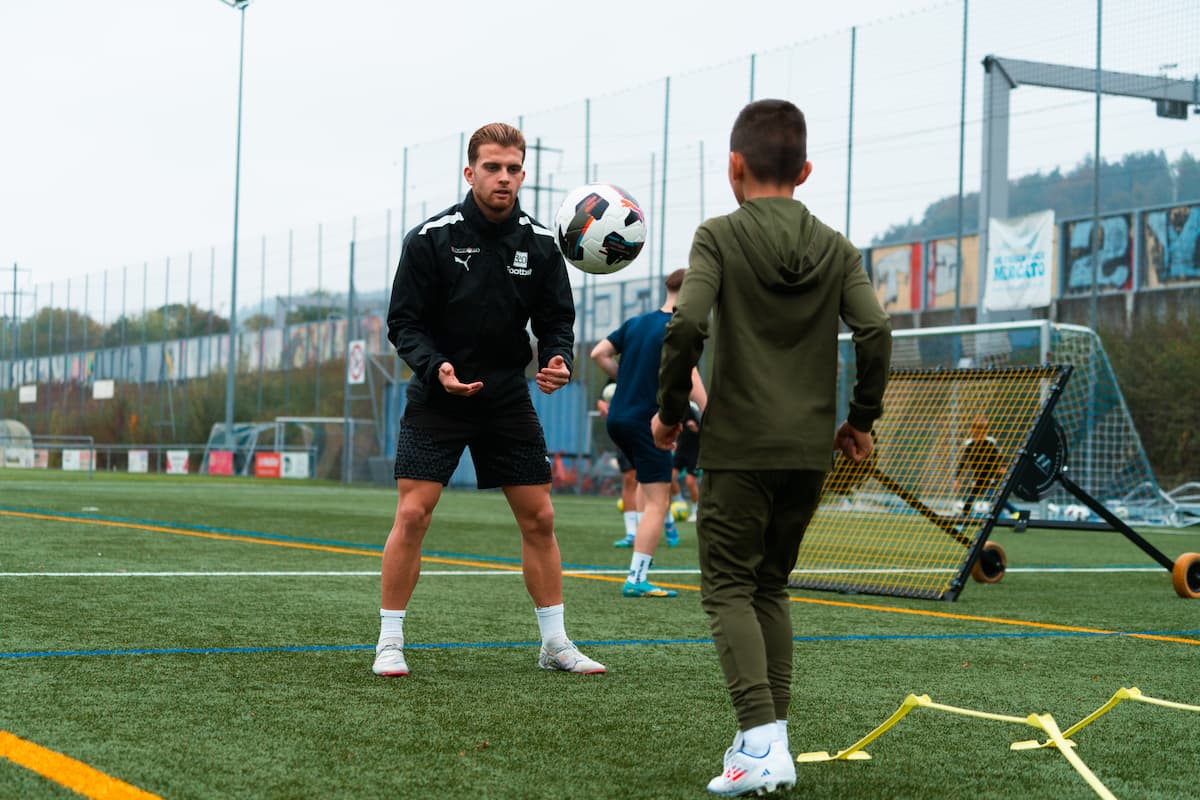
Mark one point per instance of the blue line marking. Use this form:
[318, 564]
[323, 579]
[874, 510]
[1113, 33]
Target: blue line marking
[318, 648]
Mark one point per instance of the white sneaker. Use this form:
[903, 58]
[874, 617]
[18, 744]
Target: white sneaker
[746, 774]
[389, 660]
[567, 658]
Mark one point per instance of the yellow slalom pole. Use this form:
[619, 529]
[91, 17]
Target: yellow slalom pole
[855, 751]
[1050, 727]
[1132, 693]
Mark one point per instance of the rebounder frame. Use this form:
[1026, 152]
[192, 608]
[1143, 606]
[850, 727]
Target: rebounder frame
[1048, 465]
[909, 510]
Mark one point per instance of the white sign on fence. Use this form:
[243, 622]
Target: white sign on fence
[356, 361]
[76, 460]
[103, 390]
[295, 465]
[1019, 263]
[27, 393]
[177, 462]
[139, 460]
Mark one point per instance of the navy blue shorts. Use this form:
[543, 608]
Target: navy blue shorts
[650, 464]
[507, 446]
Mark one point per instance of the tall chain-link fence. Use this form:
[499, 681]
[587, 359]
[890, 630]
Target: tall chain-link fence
[920, 127]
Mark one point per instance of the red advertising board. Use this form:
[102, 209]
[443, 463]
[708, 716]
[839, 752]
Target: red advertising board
[268, 465]
[220, 462]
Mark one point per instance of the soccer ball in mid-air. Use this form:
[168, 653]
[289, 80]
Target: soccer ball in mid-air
[680, 511]
[600, 228]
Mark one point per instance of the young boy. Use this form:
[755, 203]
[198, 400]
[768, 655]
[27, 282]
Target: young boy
[776, 280]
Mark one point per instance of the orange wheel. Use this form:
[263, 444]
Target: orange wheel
[1186, 575]
[991, 564]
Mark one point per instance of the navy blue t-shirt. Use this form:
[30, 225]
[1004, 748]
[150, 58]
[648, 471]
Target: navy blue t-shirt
[639, 342]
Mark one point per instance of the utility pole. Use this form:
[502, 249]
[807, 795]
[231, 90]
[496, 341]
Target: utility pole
[15, 328]
[538, 148]
[240, 5]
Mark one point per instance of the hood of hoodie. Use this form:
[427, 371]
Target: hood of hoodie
[776, 234]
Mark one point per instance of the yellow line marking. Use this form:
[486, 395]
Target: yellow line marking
[993, 620]
[608, 578]
[66, 771]
[141, 526]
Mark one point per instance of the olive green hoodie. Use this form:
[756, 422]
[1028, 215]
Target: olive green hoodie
[776, 280]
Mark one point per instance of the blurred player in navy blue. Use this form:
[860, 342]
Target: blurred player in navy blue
[638, 342]
[630, 505]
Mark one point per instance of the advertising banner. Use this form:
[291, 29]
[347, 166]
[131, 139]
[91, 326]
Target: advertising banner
[295, 465]
[76, 460]
[356, 362]
[139, 460]
[1020, 260]
[267, 465]
[177, 462]
[220, 462]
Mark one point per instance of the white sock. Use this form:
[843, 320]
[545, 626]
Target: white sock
[550, 623]
[631, 521]
[639, 565]
[391, 626]
[757, 741]
[781, 730]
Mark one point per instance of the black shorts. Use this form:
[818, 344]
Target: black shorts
[507, 445]
[687, 452]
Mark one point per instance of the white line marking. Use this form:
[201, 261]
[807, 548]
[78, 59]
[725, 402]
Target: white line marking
[463, 572]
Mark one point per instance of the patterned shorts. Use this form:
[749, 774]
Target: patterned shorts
[507, 446]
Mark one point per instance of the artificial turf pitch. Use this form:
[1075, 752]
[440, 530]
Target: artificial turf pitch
[199, 638]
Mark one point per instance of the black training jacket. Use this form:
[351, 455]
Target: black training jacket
[465, 291]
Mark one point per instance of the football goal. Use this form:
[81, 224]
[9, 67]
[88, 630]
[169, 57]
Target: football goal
[1107, 456]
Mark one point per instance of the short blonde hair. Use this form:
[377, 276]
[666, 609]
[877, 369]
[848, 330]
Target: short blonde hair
[499, 133]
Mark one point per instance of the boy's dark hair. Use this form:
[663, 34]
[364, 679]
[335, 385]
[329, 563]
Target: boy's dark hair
[772, 137]
[675, 280]
[499, 133]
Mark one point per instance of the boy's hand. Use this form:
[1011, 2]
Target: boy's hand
[664, 435]
[854, 444]
[553, 376]
[453, 385]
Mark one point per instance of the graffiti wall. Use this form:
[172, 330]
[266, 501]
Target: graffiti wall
[1171, 246]
[1115, 260]
[896, 276]
[941, 271]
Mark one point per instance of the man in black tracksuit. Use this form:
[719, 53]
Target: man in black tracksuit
[470, 279]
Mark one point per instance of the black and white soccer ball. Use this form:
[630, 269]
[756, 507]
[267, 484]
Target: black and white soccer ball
[600, 228]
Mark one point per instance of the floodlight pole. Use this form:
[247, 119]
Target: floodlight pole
[240, 5]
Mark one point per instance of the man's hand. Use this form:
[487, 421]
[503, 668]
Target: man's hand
[664, 435]
[553, 376]
[453, 385]
[854, 444]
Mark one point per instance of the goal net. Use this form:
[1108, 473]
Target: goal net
[1106, 455]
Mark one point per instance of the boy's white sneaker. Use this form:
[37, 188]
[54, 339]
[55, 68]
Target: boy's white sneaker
[389, 660]
[746, 774]
[565, 656]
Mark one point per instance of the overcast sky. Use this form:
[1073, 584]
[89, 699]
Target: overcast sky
[118, 132]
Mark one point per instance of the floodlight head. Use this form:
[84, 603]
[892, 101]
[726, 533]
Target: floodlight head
[1171, 109]
[240, 5]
